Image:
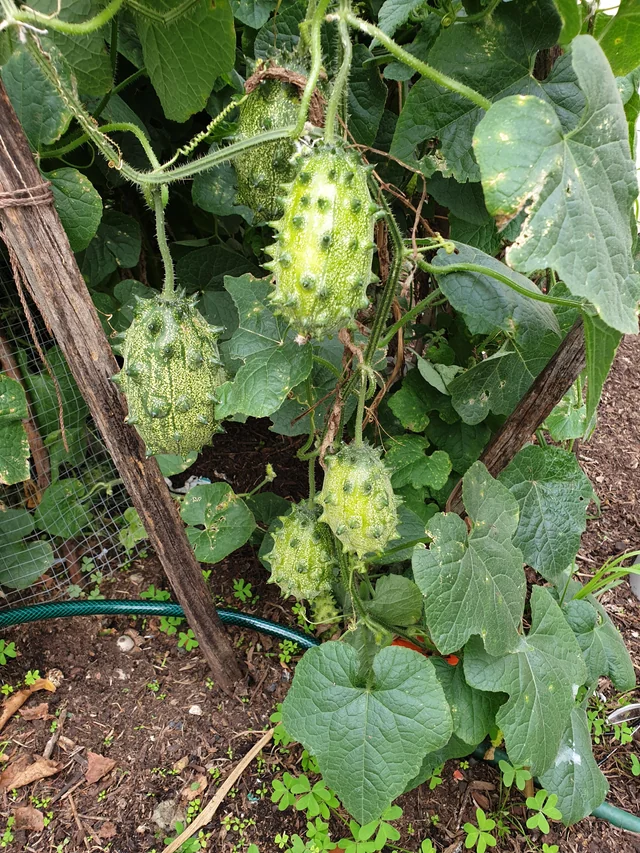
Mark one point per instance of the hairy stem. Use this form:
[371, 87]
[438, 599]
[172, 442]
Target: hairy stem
[406, 318]
[342, 78]
[360, 411]
[168, 288]
[417, 65]
[316, 65]
[523, 291]
[30, 16]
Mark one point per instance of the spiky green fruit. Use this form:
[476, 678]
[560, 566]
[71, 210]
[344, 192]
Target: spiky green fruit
[358, 500]
[302, 560]
[170, 375]
[324, 248]
[261, 170]
[324, 609]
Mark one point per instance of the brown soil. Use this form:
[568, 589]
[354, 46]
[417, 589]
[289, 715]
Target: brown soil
[173, 736]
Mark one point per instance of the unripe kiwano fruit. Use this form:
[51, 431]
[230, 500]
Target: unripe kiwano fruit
[170, 374]
[302, 560]
[262, 170]
[324, 248]
[358, 500]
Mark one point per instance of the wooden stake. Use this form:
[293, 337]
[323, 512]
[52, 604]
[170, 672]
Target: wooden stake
[38, 241]
[552, 384]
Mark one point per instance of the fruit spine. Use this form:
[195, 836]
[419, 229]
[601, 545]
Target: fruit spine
[302, 560]
[324, 247]
[358, 500]
[171, 371]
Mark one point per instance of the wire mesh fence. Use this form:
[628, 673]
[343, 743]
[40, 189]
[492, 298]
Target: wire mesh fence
[72, 524]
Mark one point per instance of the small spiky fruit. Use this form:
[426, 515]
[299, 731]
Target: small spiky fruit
[302, 560]
[262, 169]
[170, 375]
[324, 246]
[358, 500]
[324, 609]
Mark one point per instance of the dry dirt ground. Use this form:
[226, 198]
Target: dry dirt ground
[170, 737]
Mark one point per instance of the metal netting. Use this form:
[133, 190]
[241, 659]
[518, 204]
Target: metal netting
[76, 532]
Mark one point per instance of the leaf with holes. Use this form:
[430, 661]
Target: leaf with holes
[565, 180]
[218, 521]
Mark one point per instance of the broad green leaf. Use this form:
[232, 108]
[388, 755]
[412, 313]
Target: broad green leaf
[73, 457]
[14, 447]
[473, 711]
[571, 16]
[42, 112]
[21, 564]
[366, 97]
[267, 506]
[484, 236]
[369, 736]
[568, 420]
[620, 38]
[409, 466]
[420, 46]
[170, 464]
[455, 748]
[185, 47]
[437, 375]
[602, 644]
[253, 13]
[205, 269]
[565, 180]
[575, 777]
[78, 203]
[395, 13]
[273, 363]
[218, 521]
[472, 580]
[486, 303]
[15, 524]
[462, 442]
[86, 55]
[215, 191]
[282, 32]
[542, 676]
[218, 308]
[499, 55]
[117, 244]
[418, 501]
[407, 406]
[62, 511]
[396, 601]
[601, 344]
[553, 494]
[464, 200]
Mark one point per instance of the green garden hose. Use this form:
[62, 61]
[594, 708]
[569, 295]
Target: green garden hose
[59, 609]
[117, 607]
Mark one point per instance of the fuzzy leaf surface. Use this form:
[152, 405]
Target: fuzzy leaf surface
[579, 187]
[411, 467]
[620, 38]
[369, 739]
[541, 675]
[473, 711]
[553, 494]
[397, 601]
[78, 203]
[473, 582]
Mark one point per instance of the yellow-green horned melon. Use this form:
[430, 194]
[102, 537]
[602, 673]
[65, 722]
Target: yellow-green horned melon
[324, 246]
[170, 375]
[358, 500]
[302, 560]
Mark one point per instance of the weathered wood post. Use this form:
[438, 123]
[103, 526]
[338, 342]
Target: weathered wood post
[549, 388]
[40, 249]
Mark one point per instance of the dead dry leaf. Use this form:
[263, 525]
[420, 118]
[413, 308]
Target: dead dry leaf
[14, 702]
[106, 831]
[98, 766]
[194, 789]
[181, 764]
[38, 712]
[28, 818]
[23, 772]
